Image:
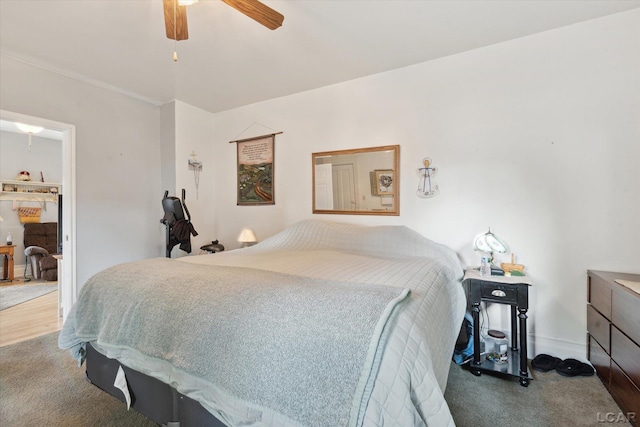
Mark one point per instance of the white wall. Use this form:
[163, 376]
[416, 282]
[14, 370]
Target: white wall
[194, 133]
[168, 150]
[538, 138]
[118, 161]
[46, 157]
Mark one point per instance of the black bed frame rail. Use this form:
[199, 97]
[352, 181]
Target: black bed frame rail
[151, 397]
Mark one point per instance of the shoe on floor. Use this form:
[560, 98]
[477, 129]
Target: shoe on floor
[573, 368]
[545, 363]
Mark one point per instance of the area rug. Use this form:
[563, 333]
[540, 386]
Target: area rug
[17, 294]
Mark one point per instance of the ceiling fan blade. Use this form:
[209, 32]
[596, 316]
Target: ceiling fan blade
[175, 30]
[257, 11]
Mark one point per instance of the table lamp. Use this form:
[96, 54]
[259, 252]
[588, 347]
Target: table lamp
[247, 237]
[489, 243]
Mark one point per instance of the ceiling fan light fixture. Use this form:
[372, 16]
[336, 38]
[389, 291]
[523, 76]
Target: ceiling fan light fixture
[175, 16]
[29, 128]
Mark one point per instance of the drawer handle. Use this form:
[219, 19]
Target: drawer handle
[498, 293]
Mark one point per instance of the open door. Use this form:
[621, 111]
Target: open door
[67, 275]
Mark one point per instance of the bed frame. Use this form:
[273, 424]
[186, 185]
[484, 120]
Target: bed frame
[151, 397]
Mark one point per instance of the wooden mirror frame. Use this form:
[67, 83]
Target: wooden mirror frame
[370, 175]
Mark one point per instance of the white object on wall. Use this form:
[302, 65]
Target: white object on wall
[196, 166]
[427, 186]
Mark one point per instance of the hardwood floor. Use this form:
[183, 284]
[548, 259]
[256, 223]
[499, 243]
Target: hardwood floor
[30, 319]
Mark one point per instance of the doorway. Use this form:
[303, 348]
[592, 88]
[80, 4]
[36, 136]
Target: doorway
[344, 187]
[67, 272]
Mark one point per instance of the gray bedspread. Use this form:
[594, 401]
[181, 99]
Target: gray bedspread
[410, 383]
[294, 350]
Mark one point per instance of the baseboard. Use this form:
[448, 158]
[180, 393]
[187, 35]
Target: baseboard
[556, 347]
[18, 270]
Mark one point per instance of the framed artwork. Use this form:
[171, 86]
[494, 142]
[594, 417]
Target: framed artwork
[255, 183]
[382, 183]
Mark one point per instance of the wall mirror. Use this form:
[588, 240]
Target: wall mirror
[363, 181]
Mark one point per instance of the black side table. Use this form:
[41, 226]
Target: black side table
[511, 290]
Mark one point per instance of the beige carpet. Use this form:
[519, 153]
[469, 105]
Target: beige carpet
[41, 385]
[549, 400]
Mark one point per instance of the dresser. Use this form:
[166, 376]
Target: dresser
[613, 334]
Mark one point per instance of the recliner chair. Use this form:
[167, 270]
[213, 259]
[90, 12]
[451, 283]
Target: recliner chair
[40, 242]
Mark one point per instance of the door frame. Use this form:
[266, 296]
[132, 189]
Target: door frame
[68, 280]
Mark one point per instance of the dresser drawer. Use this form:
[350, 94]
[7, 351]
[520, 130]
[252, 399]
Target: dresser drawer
[600, 295]
[625, 393]
[598, 327]
[626, 354]
[505, 294]
[600, 360]
[625, 313]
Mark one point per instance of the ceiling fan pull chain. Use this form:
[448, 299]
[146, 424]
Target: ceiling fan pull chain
[175, 33]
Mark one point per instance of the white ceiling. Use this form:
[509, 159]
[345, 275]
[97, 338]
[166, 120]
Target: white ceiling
[230, 60]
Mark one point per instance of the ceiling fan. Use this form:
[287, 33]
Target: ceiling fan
[175, 15]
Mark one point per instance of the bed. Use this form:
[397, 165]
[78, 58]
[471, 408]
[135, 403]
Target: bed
[323, 324]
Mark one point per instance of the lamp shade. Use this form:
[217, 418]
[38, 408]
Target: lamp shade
[489, 242]
[247, 236]
[1, 219]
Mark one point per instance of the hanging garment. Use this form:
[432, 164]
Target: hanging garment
[181, 233]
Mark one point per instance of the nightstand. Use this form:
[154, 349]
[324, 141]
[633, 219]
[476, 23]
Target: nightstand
[510, 290]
